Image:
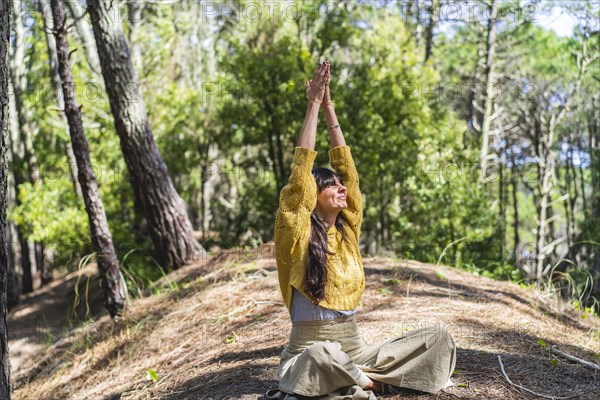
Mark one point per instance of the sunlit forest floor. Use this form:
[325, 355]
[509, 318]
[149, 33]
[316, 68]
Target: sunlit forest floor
[216, 329]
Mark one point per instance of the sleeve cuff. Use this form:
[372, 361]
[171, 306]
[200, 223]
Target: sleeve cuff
[340, 154]
[362, 380]
[304, 156]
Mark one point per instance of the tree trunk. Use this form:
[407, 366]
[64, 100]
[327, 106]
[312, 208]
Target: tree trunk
[472, 112]
[13, 242]
[382, 214]
[13, 290]
[573, 199]
[545, 185]
[502, 211]
[594, 146]
[488, 89]
[569, 190]
[27, 158]
[5, 379]
[433, 17]
[113, 284]
[77, 11]
[208, 188]
[18, 179]
[417, 33]
[551, 230]
[582, 179]
[43, 267]
[596, 273]
[56, 85]
[275, 147]
[19, 80]
[514, 180]
[169, 224]
[135, 8]
[571, 178]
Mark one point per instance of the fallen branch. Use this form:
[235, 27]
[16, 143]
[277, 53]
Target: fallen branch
[569, 357]
[538, 394]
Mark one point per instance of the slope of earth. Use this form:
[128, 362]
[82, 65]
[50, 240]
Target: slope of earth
[215, 330]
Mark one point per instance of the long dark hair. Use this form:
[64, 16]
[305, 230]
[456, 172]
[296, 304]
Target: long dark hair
[316, 276]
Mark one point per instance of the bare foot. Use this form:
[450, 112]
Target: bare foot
[375, 386]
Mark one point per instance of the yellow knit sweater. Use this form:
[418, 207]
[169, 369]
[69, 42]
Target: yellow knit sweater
[346, 278]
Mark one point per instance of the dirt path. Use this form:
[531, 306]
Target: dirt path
[43, 317]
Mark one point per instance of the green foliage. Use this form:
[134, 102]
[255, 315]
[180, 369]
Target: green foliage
[586, 311]
[498, 270]
[140, 271]
[152, 375]
[82, 263]
[231, 338]
[52, 216]
[577, 284]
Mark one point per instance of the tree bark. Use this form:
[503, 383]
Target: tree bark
[5, 379]
[568, 188]
[488, 89]
[502, 210]
[514, 181]
[573, 199]
[113, 284]
[25, 158]
[433, 17]
[135, 8]
[19, 80]
[42, 266]
[77, 11]
[582, 179]
[418, 25]
[383, 220]
[18, 179]
[56, 85]
[472, 112]
[278, 168]
[594, 148]
[12, 289]
[169, 224]
[545, 186]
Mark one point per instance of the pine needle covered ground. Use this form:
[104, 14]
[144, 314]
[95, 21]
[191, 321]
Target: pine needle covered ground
[215, 330]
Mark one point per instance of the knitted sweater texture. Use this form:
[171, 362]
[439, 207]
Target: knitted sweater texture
[346, 278]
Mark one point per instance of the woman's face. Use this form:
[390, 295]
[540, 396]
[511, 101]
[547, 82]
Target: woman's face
[332, 198]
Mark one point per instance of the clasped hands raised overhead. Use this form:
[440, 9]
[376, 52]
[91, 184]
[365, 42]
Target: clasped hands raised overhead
[317, 88]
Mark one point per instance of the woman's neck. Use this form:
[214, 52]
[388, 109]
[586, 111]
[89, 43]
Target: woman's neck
[329, 219]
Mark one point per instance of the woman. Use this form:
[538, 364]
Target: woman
[321, 277]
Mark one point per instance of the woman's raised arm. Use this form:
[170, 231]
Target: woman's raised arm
[298, 198]
[341, 160]
[301, 187]
[336, 136]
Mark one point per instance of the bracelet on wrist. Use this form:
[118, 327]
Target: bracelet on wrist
[334, 126]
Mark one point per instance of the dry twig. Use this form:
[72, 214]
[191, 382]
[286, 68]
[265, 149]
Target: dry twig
[535, 393]
[569, 357]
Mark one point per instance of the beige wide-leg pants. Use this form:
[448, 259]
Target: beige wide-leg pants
[331, 359]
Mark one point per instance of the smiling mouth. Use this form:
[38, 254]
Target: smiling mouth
[341, 198]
